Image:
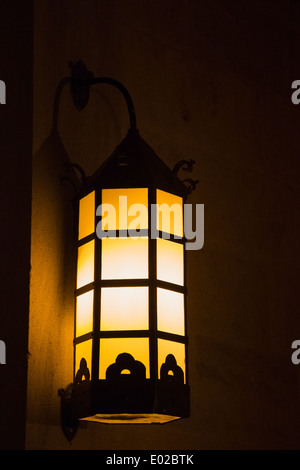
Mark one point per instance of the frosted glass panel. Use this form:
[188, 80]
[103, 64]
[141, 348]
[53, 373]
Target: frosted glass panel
[86, 216]
[130, 207]
[170, 311]
[84, 313]
[170, 261]
[169, 213]
[124, 258]
[124, 308]
[83, 350]
[165, 347]
[85, 264]
[110, 348]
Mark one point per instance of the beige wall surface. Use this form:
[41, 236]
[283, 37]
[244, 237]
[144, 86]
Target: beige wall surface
[210, 81]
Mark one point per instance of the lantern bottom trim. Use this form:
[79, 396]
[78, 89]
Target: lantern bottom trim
[124, 401]
[127, 418]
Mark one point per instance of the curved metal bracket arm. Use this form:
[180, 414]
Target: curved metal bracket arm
[82, 79]
[125, 93]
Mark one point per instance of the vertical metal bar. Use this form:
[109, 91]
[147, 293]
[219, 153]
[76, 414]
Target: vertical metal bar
[75, 235]
[152, 291]
[97, 295]
[185, 301]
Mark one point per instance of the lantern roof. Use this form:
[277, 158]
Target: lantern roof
[134, 163]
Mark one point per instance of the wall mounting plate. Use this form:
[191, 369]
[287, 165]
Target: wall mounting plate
[81, 79]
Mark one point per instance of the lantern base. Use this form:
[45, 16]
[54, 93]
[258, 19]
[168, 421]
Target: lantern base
[126, 418]
[125, 398]
[125, 402]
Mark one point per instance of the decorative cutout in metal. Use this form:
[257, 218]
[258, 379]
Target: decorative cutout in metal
[83, 371]
[123, 362]
[170, 365]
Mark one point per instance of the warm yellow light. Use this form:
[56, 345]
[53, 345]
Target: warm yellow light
[110, 348]
[124, 258]
[83, 350]
[85, 264]
[170, 311]
[126, 418]
[86, 216]
[129, 204]
[124, 308]
[165, 347]
[170, 261]
[169, 213]
[84, 313]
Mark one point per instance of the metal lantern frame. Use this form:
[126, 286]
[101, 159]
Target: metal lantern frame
[128, 398]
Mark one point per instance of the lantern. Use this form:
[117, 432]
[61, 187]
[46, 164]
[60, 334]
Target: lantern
[130, 335]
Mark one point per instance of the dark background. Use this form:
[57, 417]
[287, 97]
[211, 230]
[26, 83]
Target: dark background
[210, 81]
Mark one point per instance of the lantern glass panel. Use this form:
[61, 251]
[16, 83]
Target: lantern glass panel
[124, 308]
[83, 350]
[86, 215]
[165, 347]
[169, 213]
[170, 261]
[128, 206]
[110, 348]
[85, 264]
[170, 311]
[125, 258]
[84, 313]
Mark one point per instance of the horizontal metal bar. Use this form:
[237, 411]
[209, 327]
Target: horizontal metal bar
[86, 239]
[113, 234]
[132, 334]
[172, 337]
[84, 289]
[171, 286]
[82, 338]
[124, 283]
[112, 334]
[124, 334]
[131, 283]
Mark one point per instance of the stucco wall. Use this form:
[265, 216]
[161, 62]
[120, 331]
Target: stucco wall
[210, 81]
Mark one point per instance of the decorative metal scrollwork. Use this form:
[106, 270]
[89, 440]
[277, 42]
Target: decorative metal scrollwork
[191, 184]
[72, 179]
[186, 165]
[170, 365]
[69, 425]
[126, 362]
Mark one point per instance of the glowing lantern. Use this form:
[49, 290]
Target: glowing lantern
[130, 344]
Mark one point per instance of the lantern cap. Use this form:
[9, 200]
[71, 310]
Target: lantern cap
[135, 164]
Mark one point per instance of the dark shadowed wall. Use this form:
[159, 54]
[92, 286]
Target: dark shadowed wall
[16, 63]
[210, 81]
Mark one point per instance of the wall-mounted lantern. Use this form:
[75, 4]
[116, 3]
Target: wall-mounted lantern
[130, 335]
